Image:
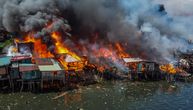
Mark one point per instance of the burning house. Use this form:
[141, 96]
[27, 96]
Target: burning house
[142, 69]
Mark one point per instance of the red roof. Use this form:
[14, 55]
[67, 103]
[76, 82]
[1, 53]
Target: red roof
[28, 67]
[17, 58]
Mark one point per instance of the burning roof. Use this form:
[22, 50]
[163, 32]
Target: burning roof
[69, 59]
[133, 60]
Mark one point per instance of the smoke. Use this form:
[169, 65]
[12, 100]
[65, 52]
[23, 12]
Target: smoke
[125, 19]
[148, 30]
[177, 7]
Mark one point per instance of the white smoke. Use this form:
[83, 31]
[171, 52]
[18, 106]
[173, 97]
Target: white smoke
[178, 7]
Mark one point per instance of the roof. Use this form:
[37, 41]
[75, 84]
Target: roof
[47, 68]
[44, 61]
[5, 60]
[27, 67]
[70, 59]
[134, 60]
[17, 58]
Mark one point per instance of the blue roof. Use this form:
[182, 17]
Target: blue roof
[5, 60]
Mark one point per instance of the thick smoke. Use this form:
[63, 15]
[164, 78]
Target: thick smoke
[148, 30]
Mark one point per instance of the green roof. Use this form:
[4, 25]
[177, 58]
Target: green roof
[5, 60]
[49, 68]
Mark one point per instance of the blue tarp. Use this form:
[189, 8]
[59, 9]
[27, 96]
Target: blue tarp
[5, 60]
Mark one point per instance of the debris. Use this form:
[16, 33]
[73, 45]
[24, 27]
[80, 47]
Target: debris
[59, 96]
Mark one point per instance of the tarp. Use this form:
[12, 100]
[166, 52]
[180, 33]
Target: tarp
[5, 60]
[50, 68]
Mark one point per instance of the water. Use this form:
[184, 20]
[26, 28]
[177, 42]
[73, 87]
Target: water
[108, 96]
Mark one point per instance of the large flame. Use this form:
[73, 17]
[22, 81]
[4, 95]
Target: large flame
[60, 48]
[113, 51]
[40, 49]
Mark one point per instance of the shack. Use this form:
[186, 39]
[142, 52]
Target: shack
[14, 68]
[30, 76]
[74, 68]
[4, 71]
[142, 69]
[52, 74]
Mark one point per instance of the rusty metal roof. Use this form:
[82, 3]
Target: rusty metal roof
[18, 58]
[44, 61]
[28, 67]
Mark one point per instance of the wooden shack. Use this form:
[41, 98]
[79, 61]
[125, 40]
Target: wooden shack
[51, 71]
[14, 68]
[142, 69]
[30, 75]
[4, 71]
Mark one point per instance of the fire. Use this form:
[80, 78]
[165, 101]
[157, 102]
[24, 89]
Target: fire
[169, 68]
[40, 49]
[60, 48]
[121, 51]
[113, 51]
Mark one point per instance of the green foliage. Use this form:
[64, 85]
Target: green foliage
[5, 43]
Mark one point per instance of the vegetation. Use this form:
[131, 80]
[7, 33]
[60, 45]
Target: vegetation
[4, 44]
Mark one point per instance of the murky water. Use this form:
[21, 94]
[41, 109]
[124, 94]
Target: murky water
[108, 96]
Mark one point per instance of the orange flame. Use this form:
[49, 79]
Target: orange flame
[60, 48]
[169, 68]
[40, 49]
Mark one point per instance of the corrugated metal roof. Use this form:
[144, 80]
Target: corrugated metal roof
[69, 59]
[133, 60]
[5, 60]
[27, 67]
[18, 58]
[44, 61]
[47, 68]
